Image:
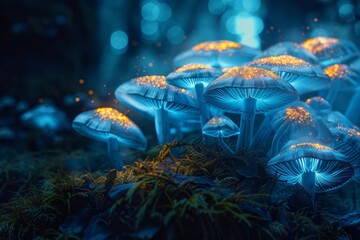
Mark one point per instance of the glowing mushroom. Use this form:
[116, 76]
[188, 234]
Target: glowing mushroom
[218, 54]
[152, 95]
[48, 118]
[195, 77]
[330, 50]
[110, 126]
[221, 127]
[347, 141]
[248, 91]
[343, 78]
[318, 168]
[303, 76]
[289, 48]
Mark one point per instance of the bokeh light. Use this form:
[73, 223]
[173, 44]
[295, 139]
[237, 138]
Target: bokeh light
[119, 40]
[175, 35]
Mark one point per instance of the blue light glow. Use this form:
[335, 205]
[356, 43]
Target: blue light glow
[150, 11]
[175, 35]
[149, 28]
[216, 7]
[251, 6]
[248, 25]
[165, 12]
[119, 40]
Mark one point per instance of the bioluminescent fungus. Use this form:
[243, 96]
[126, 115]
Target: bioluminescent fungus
[248, 91]
[292, 123]
[110, 126]
[319, 105]
[289, 48]
[220, 54]
[220, 127]
[347, 141]
[318, 168]
[47, 118]
[195, 77]
[343, 78]
[154, 96]
[352, 113]
[303, 76]
[330, 50]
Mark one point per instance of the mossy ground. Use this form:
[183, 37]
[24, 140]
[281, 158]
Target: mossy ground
[182, 190]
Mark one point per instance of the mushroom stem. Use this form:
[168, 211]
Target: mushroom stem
[224, 146]
[246, 124]
[114, 152]
[204, 110]
[352, 113]
[161, 125]
[308, 182]
[333, 91]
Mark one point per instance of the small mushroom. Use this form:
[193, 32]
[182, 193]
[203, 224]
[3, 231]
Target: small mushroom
[343, 78]
[220, 127]
[330, 50]
[248, 91]
[303, 76]
[318, 168]
[289, 48]
[110, 126]
[219, 54]
[152, 95]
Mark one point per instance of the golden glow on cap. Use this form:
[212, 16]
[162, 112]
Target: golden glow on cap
[298, 114]
[248, 73]
[318, 44]
[191, 66]
[219, 46]
[336, 71]
[316, 99]
[283, 60]
[154, 81]
[314, 145]
[114, 116]
[215, 121]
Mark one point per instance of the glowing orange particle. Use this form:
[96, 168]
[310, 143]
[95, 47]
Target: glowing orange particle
[219, 46]
[154, 81]
[283, 60]
[248, 73]
[318, 44]
[191, 66]
[77, 99]
[336, 71]
[315, 145]
[114, 116]
[298, 114]
[81, 81]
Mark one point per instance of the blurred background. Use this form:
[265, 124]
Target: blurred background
[68, 50]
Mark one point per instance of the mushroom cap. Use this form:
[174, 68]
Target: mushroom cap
[221, 53]
[45, 117]
[304, 77]
[229, 91]
[335, 118]
[331, 167]
[220, 126]
[350, 219]
[347, 141]
[191, 74]
[330, 50]
[289, 48]
[350, 78]
[151, 93]
[318, 104]
[104, 123]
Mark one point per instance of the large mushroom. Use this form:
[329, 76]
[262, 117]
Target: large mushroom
[289, 48]
[248, 91]
[195, 77]
[343, 78]
[220, 54]
[303, 76]
[330, 50]
[152, 95]
[110, 126]
[318, 168]
[220, 127]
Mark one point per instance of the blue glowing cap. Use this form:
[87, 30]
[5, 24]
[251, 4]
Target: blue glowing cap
[347, 77]
[45, 117]
[104, 123]
[335, 118]
[221, 54]
[220, 126]
[229, 91]
[318, 104]
[331, 168]
[303, 76]
[347, 141]
[191, 74]
[330, 50]
[289, 48]
[151, 93]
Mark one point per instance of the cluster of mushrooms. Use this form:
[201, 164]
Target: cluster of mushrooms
[291, 85]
